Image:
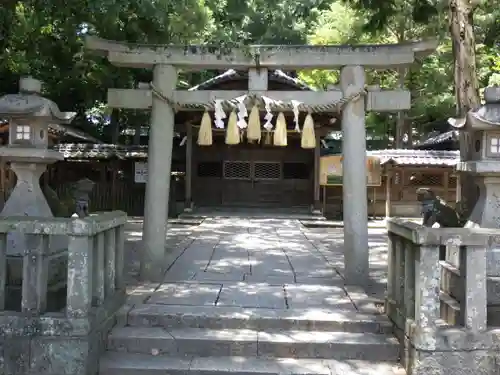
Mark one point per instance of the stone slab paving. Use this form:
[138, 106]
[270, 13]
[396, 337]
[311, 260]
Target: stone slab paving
[233, 317]
[134, 364]
[277, 252]
[267, 254]
[196, 294]
[252, 296]
[176, 234]
[252, 343]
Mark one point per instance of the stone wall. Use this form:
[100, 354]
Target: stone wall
[441, 320]
[34, 340]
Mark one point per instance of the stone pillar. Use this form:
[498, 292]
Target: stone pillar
[352, 80]
[159, 166]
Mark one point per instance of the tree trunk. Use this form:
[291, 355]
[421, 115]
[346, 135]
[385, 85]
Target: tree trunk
[466, 83]
[413, 86]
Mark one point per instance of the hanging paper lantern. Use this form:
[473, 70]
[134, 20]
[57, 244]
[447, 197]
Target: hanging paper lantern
[280, 136]
[232, 131]
[308, 138]
[253, 130]
[205, 132]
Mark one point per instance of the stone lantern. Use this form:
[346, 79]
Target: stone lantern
[29, 115]
[484, 125]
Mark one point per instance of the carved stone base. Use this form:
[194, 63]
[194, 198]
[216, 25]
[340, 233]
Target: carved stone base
[480, 362]
[455, 352]
[59, 345]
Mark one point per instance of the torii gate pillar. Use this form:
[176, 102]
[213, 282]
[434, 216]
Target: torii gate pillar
[356, 251]
[161, 136]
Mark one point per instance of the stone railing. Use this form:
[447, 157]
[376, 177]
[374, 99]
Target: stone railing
[95, 290]
[437, 296]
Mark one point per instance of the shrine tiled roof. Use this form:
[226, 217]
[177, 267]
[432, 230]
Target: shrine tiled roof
[101, 151]
[72, 132]
[451, 135]
[417, 157]
[81, 151]
[231, 74]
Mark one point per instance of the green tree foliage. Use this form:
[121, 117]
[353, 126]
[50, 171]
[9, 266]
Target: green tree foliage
[430, 81]
[44, 38]
[473, 29]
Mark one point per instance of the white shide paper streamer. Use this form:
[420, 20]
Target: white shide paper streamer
[269, 116]
[295, 105]
[242, 111]
[219, 114]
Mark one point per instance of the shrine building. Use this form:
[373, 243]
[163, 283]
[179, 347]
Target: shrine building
[255, 174]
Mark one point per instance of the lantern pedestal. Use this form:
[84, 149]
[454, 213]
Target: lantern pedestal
[27, 198]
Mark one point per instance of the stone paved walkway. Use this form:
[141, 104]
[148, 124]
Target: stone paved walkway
[252, 296]
[260, 262]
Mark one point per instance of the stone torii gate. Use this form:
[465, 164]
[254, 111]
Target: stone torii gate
[165, 59]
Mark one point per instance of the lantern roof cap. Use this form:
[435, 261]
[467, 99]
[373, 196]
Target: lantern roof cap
[28, 103]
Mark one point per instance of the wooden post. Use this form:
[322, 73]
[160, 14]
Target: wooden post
[102, 173]
[189, 167]
[2, 180]
[113, 184]
[446, 188]
[324, 199]
[137, 134]
[458, 189]
[388, 183]
[317, 157]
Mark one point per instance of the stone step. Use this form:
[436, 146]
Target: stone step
[212, 317]
[143, 364]
[251, 343]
